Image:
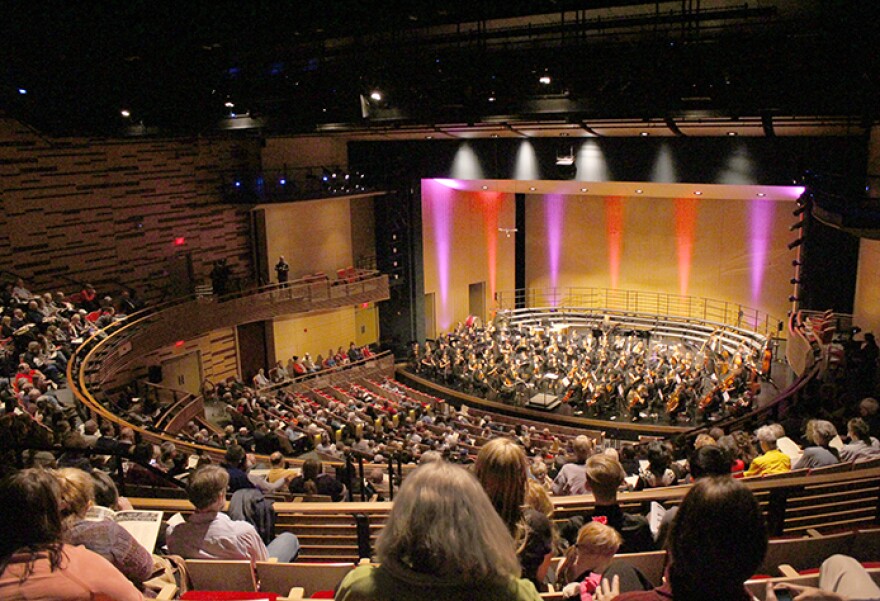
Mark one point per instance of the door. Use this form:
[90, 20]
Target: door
[430, 317]
[180, 275]
[183, 373]
[477, 300]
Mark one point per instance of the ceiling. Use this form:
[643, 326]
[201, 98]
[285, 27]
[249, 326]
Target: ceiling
[444, 69]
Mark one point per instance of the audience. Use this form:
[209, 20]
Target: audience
[581, 570]
[819, 433]
[861, 445]
[572, 478]
[314, 482]
[442, 540]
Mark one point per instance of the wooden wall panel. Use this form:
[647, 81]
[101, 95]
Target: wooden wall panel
[107, 211]
[219, 354]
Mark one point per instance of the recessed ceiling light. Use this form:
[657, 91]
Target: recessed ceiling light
[545, 79]
[639, 191]
[125, 113]
[731, 133]
[485, 187]
[584, 189]
[228, 104]
[376, 95]
[761, 195]
[429, 137]
[698, 193]
[532, 188]
[643, 134]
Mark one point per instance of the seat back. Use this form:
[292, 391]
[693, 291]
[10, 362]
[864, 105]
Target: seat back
[804, 553]
[649, 563]
[221, 575]
[313, 577]
[866, 545]
[832, 469]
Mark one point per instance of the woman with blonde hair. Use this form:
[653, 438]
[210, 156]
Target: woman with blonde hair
[105, 537]
[502, 468]
[442, 540]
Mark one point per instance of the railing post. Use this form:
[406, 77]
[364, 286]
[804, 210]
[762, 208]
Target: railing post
[390, 479]
[362, 480]
[362, 523]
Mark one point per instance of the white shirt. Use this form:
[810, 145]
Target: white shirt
[210, 535]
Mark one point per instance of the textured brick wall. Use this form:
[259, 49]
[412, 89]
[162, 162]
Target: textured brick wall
[107, 211]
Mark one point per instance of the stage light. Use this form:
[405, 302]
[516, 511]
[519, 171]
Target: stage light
[795, 243]
[376, 95]
[125, 113]
[796, 226]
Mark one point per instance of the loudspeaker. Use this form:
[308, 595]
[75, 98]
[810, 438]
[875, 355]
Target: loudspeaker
[154, 374]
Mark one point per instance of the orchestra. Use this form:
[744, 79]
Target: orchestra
[604, 373]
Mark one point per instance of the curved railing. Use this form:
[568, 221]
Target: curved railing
[104, 361]
[597, 300]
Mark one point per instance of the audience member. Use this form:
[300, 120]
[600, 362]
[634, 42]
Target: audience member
[819, 433]
[861, 444]
[314, 482]
[210, 534]
[442, 540]
[773, 461]
[105, 537]
[658, 472]
[581, 570]
[572, 479]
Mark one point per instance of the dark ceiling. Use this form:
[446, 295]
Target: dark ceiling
[297, 65]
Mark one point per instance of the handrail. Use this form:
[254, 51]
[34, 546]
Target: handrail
[638, 301]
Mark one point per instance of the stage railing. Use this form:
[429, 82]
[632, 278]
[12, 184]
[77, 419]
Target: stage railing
[650, 303]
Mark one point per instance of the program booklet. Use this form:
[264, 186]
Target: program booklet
[142, 525]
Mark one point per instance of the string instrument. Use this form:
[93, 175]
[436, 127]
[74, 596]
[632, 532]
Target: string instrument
[674, 401]
[635, 399]
[707, 400]
[568, 395]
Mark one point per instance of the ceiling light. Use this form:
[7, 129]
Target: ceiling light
[491, 98]
[761, 195]
[429, 137]
[376, 95]
[494, 135]
[639, 191]
[485, 187]
[532, 188]
[731, 133]
[584, 189]
[22, 91]
[229, 104]
[545, 79]
[125, 113]
[643, 134]
[698, 193]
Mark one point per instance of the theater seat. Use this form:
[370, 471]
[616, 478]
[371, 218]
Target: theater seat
[221, 575]
[312, 577]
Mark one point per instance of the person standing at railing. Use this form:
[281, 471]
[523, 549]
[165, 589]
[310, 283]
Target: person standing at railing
[282, 271]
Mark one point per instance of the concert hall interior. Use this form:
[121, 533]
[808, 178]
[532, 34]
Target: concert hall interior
[337, 240]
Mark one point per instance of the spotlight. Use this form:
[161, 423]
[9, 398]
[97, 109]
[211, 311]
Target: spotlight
[545, 80]
[795, 243]
[125, 113]
[796, 226]
[376, 95]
